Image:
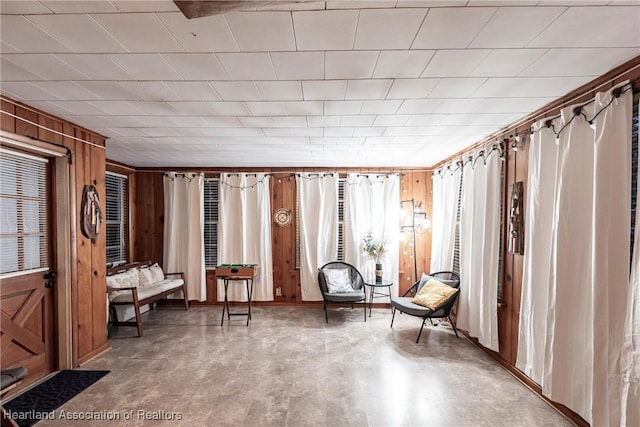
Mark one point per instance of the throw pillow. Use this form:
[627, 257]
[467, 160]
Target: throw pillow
[127, 279]
[434, 294]
[145, 276]
[423, 280]
[338, 280]
[157, 273]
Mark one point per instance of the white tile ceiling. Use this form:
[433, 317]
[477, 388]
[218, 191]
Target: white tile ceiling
[336, 83]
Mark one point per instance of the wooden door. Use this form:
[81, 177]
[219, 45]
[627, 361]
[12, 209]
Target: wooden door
[26, 285]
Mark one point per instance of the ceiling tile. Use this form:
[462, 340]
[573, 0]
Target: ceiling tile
[454, 63]
[530, 21]
[145, 5]
[304, 108]
[311, 5]
[81, 108]
[194, 91]
[517, 87]
[325, 30]
[150, 91]
[155, 108]
[196, 66]
[229, 108]
[431, 3]
[339, 132]
[116, 108]
[359, 4]
[145, 66]
[237, 91]
[402, 64]
[66, 90]
[23, 35]
[510, 105]
[323, 121]
[368, 89]
[357, 121]
[207, 34]
[191, 108]
[338, 108]
[479, 119]
[411, 88]
[583, 27]
[419, 106]
[79, 32]
[391, 120]
[456, 87]
[298, 65]
[75, 7]
[139, 32]
[108, 90]
[21, 7]
[25, 91]
[579, 62]
[267, 108]
[369, 131]
[350, 64]
[380, 107]
[47, 67]
[506, 62]
[247, 66]
[98, 66]
[262, 31]
[457, 106]
[314, 90]
[387, 28]
[280, 90]
[450, 28]
[285, 122]
[7, 48]
[425, 119]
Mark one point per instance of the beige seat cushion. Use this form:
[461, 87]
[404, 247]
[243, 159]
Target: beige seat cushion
[147, 291]
[433, 294]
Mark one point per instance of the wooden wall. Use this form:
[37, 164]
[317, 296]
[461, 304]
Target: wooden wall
[149, 213]
[88, 259]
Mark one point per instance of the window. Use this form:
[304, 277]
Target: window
[341, 184]
[23, 212]
[117, 218]
[211, 196]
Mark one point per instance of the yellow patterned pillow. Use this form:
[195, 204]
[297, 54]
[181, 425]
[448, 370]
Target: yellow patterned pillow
[433, 294]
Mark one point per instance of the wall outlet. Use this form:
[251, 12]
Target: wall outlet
[279, 291]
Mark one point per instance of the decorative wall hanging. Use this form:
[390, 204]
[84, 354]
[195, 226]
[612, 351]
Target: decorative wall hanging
[516, 220]
[282, 217]
[90, 213]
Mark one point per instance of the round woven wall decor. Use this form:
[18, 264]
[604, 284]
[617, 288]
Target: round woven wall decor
[282, 217]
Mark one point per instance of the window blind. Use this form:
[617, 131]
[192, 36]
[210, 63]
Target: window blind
[24, 216]
[116, 218]
[211, 197]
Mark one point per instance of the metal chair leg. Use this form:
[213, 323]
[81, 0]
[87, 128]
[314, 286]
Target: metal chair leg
[393, 315]
[364, 304]
[420, 333]
[453, 325]
[326, 316]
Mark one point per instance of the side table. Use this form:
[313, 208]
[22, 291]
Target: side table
[374, 291]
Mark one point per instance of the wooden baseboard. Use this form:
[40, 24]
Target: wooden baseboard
[529, 383]
[95, 353]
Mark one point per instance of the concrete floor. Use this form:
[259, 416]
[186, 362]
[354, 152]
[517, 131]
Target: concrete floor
[290, 368]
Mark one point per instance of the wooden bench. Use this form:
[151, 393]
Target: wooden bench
[127, 284]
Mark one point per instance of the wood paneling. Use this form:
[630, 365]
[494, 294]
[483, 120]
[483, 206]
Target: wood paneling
[148, 210]
[88, 260]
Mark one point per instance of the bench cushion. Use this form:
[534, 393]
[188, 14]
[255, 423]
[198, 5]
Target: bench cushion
[145, 292]
[126, 279]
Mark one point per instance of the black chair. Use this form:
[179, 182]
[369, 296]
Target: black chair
[405, 305]
[9, 379]
[357, 283]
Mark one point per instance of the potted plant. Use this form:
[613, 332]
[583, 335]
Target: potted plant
[376, 250]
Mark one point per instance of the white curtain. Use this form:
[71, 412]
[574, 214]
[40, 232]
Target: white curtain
[631, 341]
[245, 232]
[184, 230]
[543, 155]
[373, 204]
[318, 221]
[479, 248]
[446, 194]
[588, 272]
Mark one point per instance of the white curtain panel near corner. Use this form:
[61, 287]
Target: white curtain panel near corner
[541, 181]
[318, 221]
[183, 244]
[446, 194]
[479, 248]
[245, 232]
[373, 204]
[631, 340]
